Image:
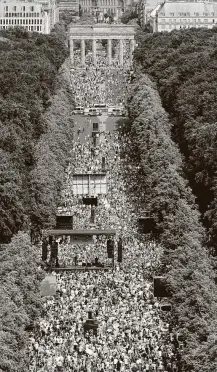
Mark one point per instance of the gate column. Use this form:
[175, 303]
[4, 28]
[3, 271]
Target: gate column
[72, 51]
[109, 51]
[121, 53]
[94, 51]
[82, 51]
[132, 46]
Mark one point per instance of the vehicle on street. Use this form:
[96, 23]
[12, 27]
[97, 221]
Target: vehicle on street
[78, 110]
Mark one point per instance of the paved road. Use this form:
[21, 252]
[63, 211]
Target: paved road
[86, 123]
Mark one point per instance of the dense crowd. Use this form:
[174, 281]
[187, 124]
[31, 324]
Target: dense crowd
[133, 334]
[100, 84]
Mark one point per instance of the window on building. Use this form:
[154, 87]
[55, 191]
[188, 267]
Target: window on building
[9, 14]
[21, 22]
[6, 21]
[14, 8]
[18, 21]
[24, 8]
[20, 14]
[205, 14]
[196, 14]
[37, 21]
[6, 14]
[37, 28]
[9, 21]
[32, 8]
[3, 21]
[37, 14]
[31, 28]
[6, 8]
[40, 28]
[172, 14]
[40, 21]
[12, 21]
[15, 21]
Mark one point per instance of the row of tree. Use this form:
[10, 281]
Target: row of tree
[183, 64]
[30, 154]
[36, 133]
[164, 193]
[20, 301]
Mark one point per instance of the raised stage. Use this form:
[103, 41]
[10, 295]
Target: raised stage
[79, 268]
[89, 232]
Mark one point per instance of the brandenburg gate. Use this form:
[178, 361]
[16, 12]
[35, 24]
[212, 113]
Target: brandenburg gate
[101, 32]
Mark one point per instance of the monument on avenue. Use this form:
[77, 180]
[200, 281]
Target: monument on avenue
[101, 32]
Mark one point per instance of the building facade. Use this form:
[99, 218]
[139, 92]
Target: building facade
[145, 7]
[142, 12]
[52, 9]
[115, 7]
[32, 16]
[68, 5]
[178, 15]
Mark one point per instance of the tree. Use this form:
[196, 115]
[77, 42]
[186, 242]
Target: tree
[181, 63]
[155, 165]
[128, 15]
[28, 79]
[20, 300]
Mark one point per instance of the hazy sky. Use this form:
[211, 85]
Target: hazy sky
[152, 3]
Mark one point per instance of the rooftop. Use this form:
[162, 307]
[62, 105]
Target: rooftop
[190, 8]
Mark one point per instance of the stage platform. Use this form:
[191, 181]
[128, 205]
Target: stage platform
[80, 268]
[89, 232]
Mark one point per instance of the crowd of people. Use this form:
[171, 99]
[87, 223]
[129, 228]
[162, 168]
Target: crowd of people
[100, 84]
[133, 333]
